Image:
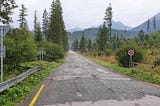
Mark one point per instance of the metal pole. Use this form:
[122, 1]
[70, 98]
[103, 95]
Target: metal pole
[42, 55]
[130, 61]
[1, 53]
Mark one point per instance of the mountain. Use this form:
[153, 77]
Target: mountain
[120, 26]
[75, 29]
[115, 25]
[91, 33]
[143, 26]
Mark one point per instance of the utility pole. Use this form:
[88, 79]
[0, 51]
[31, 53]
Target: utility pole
[3, 31]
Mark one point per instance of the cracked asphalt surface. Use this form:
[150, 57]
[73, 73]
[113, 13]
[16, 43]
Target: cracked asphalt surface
[81, 82]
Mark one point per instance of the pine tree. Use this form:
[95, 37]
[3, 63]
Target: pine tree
[65, 41]
[57, 33]
[38, 35]
[102, 38]
[89, 45]
[154, 23]
[45, 23]
[148, 26]
[75, 45]
[6, 7]
[22, 17]
[82, 43]
[37, 29]
[108, 19]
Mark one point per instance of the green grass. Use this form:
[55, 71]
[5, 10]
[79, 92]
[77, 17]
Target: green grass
[20, 91]
[128, 72]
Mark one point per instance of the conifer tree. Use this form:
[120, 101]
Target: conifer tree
[148, 25]
[75, 45]
[22, 17]
[89, 45]
[154, 23]
[56, 27]
[102, 38]
[6, 7]
[45, 23]
[37, 29]
[82, 43]
[108, 19]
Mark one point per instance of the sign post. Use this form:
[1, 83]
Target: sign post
[130, 53]
[3, 31]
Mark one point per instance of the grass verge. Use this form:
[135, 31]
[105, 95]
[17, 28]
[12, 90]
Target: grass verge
[20, 91]
[128, 72]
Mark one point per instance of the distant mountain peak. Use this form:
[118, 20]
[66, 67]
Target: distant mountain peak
[120, 26]
[143, 26]
[75, 29]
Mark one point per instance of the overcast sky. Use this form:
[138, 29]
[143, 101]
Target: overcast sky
[88, 13]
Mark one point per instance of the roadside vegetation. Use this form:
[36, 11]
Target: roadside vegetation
[112, 50]
[44, 46]
[20, 91]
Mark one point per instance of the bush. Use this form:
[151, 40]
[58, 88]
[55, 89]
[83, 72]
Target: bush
[123, 57]
[157, 62]
[20, 47]
[53, 52]
[108, 52]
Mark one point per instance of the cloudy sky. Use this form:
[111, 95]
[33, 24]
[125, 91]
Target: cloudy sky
[88, 13]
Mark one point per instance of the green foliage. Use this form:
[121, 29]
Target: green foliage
[82, 45]
[56, 27]
[126, 71]
[108, 52]
[22, 17]
[157, 62]
[123, 57]
[37, 29]
[20, 47]
[75, 45]
[45, 23]
[53, 51]
[6, 7]
[20, 91]
[102, 38]
[89, 45]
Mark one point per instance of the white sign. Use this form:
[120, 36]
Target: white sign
[130, 52]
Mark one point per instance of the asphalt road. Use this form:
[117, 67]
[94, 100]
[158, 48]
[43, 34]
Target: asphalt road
[81, 82]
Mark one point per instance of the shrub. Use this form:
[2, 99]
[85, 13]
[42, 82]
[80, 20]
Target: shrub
[53, 52]
[108, 52]
[157, 62]
[20, 47]
[123, 57]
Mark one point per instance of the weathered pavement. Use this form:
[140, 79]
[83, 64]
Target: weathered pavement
[80, 82]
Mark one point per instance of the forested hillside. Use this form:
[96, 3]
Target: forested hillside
[91, 34]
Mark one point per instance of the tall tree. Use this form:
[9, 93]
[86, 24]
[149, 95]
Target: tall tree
[20, 47]
[37, 29]
[108, 19]
[154, 23]
[45, 23]
[38, 34]
[89, 45]
[82, 43]
[22, 17]
[6, 7]
[148, 26]
[56, 28]
[75, 45]
[102, 38]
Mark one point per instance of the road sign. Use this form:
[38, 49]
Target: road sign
[4, 30]
[130, 52]
[3, 51]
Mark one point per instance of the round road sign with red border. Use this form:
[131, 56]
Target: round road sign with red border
[130, 52]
